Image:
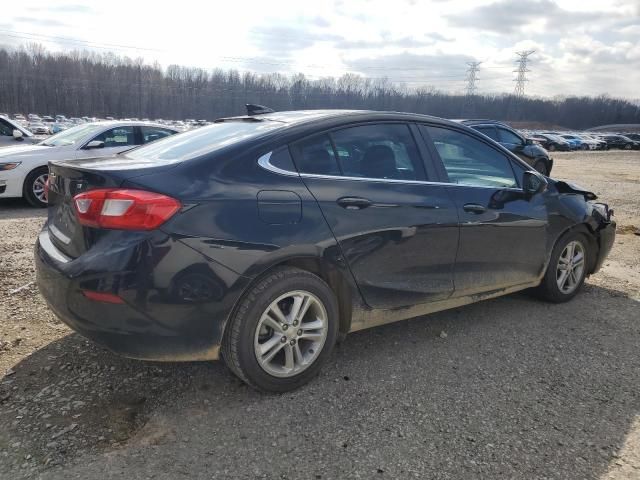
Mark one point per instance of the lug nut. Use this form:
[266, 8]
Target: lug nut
[295, 323]
[283, 339]
[285, 326]
[299, 332]
[292, 342]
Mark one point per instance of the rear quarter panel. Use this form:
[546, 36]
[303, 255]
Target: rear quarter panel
[222, 220]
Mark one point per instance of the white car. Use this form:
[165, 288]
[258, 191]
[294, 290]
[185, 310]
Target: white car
[24, 168]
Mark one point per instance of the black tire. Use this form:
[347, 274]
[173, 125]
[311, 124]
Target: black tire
[541, 167]
[28, 188]
[238, 341]
[584, 146]
[627, 146]
[548, 289]
[551, 148]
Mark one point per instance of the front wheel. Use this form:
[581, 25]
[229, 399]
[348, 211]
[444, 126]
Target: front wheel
[567, 269]
[34, 190]
[283, 331]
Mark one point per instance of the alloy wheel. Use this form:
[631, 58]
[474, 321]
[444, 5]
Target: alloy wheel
[39, 187]
[570, 267]
[291, 333]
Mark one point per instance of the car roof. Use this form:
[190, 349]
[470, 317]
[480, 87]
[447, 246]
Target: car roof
[122, 123]
[301, 117]
[480, 121]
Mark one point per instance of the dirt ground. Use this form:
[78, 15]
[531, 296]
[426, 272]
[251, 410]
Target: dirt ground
[515, 389]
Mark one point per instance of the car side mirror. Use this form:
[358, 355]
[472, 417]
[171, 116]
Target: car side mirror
[533, 183]
[94, 144]
[17, 134]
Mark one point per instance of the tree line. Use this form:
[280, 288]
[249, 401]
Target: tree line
[34, 80]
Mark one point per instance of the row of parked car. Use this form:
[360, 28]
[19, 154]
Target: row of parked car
[567, 141]
[50, 125]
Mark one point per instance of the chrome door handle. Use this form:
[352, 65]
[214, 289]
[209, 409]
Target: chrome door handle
[354, 203]
[474, 208]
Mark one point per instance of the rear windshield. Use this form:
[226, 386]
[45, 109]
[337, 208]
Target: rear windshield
[195, 143]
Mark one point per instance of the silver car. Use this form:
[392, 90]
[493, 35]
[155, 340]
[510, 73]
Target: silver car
[24, 168]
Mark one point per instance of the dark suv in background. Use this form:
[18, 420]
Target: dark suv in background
[526, 149]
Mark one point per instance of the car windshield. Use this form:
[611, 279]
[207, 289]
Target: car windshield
[194, 143]
[71, 136]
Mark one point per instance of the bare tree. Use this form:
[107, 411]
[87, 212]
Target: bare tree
[104, 84]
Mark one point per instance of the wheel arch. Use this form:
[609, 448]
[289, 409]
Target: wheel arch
[27, 176]
[30, 171]
[592, 242]
[327, 271]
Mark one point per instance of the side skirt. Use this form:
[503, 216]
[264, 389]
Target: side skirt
[365, 317]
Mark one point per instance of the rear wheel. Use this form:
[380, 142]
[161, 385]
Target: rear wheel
[541, 167]
[567, 269]
[283, 331]
[551, 147]
[34, 190]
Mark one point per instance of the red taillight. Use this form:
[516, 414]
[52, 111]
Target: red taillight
[102, 297]
[124, 209]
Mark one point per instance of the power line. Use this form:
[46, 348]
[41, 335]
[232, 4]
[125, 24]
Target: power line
[474, 68]
[522, 70]
[468, 106]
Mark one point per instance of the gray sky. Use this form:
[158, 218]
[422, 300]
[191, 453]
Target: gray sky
[582, 46]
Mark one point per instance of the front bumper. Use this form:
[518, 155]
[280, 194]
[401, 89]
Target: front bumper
[154, 322]
[607, 236]
[11, 182]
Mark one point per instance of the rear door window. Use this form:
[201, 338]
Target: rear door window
[117, 137]
[489, 131]
[385, 151]
[316, 156]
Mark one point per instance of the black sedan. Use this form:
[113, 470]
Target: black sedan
[265, 238]
[620, 141]
[552, 142]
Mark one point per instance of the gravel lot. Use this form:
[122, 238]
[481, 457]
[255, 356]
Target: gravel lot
[507, 388]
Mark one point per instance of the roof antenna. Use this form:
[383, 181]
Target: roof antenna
[253, 109]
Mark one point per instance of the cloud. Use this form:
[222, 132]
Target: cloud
[385, 41]
[282, 41]
[505, 16]
[40, 22]
[70, 8]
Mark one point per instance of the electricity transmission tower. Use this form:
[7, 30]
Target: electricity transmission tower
[474, 67]
[521, 79]
[468, 106]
